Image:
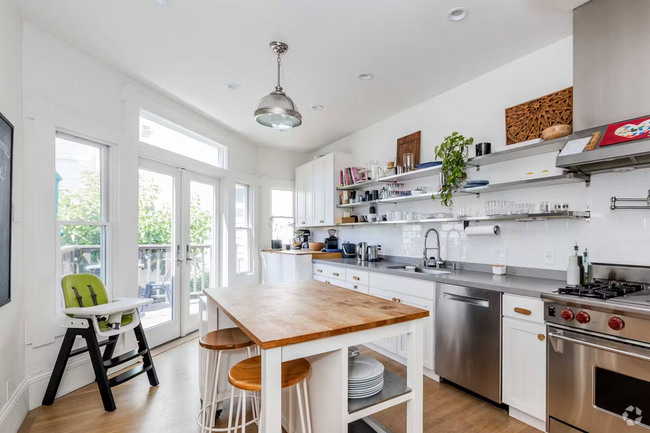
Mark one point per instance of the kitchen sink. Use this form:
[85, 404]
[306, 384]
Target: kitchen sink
[419, 270]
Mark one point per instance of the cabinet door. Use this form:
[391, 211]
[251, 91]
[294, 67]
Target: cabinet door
[301, 198]
[389, 344]
[319, 191]
[428, 353]
[309, 194]
[329, 188]
[524, 366]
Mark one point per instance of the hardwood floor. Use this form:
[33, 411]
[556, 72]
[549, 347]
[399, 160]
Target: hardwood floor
[173, 406]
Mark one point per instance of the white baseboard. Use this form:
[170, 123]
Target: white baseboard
[427, 372]
[527, 419]
[14, 412]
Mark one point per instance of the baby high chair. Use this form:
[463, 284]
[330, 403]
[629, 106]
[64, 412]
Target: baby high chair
[91, 313]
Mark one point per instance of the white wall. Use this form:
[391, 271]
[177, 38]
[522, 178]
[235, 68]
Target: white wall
[67, 89]
[477, 109]
[13, 401]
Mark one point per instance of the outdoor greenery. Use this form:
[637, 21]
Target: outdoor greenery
[453, 153]
[84, 203]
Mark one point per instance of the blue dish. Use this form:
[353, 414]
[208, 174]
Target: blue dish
[429, 164]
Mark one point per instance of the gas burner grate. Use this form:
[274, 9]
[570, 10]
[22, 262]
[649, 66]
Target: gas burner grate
[602, 290]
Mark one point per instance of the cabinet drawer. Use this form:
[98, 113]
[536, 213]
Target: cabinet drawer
[356, 276]
[362, 288]
[332, 281]
[329, 271]
[523, 308]
[409, 286]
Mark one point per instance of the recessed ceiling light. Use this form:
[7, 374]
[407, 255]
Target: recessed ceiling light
[457, 14]
[317, 107]
[365, 77]
[232, 86]
[162, 2]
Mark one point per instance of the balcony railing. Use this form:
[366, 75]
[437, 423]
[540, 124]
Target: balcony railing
[154, 265]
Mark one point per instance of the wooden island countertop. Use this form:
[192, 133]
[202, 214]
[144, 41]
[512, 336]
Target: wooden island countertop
[288, 313]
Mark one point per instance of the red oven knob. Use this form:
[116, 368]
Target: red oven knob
[583, 317]
[616, 323]
[567, 315]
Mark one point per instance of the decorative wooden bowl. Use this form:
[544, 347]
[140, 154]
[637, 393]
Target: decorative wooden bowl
[316, 246]
[557, 131]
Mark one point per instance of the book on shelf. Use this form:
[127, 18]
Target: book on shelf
[350, 176]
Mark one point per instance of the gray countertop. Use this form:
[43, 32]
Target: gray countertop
[512, 284]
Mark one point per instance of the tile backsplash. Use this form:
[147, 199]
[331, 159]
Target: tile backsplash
[621, 236]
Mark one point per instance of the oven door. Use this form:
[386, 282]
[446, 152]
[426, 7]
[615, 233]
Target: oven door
[596, 384]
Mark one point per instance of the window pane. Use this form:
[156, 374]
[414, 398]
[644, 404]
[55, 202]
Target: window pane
[82, 250]
[201, 235]
[283, 229]
[166, 135]
[241, 205]
[243, 250]
[281, 203]
[155, 266]
[78, 181]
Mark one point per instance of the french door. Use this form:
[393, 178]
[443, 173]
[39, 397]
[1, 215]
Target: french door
[178, 247]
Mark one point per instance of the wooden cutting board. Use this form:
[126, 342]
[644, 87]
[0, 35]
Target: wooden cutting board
[409, 144]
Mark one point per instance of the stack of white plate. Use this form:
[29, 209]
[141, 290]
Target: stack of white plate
[365, 376]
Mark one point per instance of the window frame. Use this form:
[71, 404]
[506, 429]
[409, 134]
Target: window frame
[105, 203]
[293, 205]
[248, 228]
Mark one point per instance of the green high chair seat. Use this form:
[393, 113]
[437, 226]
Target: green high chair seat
[91, 313]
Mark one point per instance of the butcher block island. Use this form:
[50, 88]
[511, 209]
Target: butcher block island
[314, 320]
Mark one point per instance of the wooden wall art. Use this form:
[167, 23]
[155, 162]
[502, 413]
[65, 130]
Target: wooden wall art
[527, 121]
[409, 144]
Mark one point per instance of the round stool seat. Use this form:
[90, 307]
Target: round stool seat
[225, 339]
[247, 374]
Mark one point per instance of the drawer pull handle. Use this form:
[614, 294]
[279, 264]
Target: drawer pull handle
[356, 278]
[319, 270]
[541, 337]
[354, 287]
[335, 274]
[523, 311]
[322, 221]
[327, 282]
[397, 300]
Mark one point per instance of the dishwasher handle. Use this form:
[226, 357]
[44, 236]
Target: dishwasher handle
[467, 299]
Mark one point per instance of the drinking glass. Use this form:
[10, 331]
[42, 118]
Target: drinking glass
[409, 161]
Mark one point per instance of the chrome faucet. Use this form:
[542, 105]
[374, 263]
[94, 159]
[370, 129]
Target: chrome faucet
[438, 261]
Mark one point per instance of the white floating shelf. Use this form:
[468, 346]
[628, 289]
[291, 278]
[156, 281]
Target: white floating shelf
[515, 152]
[528, 183]
[394, 200]
[415, 174]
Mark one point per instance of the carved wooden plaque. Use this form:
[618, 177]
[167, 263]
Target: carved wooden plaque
[409, 144]
[527, 121]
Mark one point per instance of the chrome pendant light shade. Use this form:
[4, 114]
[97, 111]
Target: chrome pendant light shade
[276, 110]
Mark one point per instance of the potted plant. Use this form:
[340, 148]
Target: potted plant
[453, 153]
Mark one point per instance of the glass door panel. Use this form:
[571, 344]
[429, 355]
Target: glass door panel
[158, 250]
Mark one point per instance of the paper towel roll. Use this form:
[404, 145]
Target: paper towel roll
[482, 230]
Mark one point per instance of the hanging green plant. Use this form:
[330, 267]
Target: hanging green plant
[453, 153]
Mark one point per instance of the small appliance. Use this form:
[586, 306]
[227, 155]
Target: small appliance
[332, 242]
[362, 253]
[301, 239]
[374, 253]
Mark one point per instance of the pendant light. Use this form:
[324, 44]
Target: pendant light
[276, 110]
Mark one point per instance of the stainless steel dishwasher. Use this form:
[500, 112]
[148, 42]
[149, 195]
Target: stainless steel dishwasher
[468, 338]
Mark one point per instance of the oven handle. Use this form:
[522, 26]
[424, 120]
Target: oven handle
[583, 342]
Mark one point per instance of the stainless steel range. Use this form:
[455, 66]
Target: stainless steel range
[599, 353]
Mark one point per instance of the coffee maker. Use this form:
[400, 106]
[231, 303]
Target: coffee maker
[301, 239]
[332, 242]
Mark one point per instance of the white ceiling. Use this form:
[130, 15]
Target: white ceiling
[194, 47]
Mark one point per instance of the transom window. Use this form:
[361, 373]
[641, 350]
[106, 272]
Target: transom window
[162, 133]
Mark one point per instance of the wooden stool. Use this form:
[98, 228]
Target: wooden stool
[215, 343]
[247, 376]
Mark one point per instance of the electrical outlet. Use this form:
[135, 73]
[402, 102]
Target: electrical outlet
[549, 258]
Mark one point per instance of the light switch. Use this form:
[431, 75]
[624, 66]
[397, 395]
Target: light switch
[18, 215]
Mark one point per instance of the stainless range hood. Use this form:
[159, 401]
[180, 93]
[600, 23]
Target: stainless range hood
[609, 81]
[615, 157]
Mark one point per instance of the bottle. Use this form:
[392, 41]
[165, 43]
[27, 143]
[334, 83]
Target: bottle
[586, 265]
[573, 269]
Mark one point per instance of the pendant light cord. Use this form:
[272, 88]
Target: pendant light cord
[279, 87]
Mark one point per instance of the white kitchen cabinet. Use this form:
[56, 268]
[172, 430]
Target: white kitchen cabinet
[524, 366]
[316, 194]
[304, 195]
[400, 344]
